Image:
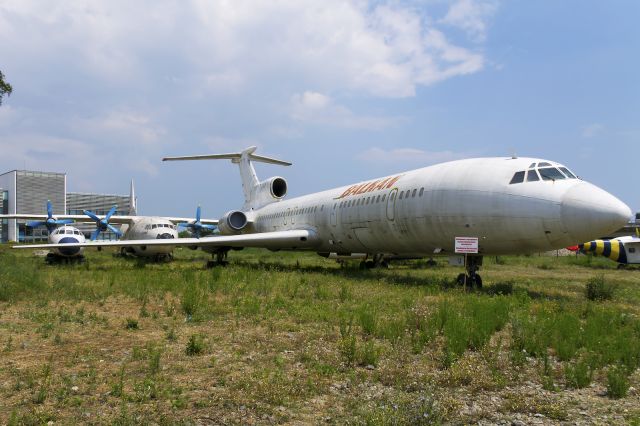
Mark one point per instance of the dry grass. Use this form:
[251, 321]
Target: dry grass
[274, 334]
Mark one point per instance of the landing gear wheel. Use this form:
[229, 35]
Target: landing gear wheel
[478, 282]
[460, 279]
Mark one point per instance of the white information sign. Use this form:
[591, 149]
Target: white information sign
[466, 245]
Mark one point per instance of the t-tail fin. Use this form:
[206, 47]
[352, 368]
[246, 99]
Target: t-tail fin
[248, 175]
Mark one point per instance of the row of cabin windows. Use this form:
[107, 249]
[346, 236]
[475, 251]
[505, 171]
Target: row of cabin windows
[546, 173]
[294, 212]
[160, 225]
[409, 193]
[66, 231]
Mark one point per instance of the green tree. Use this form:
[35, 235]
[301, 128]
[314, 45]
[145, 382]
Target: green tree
[5, 88]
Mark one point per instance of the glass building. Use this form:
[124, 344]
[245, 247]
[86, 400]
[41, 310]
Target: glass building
[99, 204]
[27, 192]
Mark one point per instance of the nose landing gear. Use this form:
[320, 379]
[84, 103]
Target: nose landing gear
[471, 279]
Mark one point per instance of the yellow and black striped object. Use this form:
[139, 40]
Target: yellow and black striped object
[613, 249]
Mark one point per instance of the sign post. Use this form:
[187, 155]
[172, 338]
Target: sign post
[466, 245]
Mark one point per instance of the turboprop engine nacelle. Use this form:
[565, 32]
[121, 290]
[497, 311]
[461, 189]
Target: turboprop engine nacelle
[232, 222]
[268, 191]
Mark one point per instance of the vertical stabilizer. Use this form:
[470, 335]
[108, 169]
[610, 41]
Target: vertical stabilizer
[247, 175]
[133, 201]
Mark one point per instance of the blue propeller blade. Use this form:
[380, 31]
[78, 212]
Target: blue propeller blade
[111, 212]
[49, 209]
[91, 215]
[115, 230]
[95, 234]
[198, 215]
[35, 224]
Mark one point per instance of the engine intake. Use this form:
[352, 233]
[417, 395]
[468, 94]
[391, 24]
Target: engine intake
[233, 222]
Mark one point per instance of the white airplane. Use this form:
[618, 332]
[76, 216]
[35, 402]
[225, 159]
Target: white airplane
[60, 235]
[513, 205]
[133, 228]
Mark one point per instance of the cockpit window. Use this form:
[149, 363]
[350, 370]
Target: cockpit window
[532, 165]
[551, 173]
[568, 173]
[517, 178]
[532, 176]
[544, 164]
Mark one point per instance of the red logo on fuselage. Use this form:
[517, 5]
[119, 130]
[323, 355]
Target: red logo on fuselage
[370, 186]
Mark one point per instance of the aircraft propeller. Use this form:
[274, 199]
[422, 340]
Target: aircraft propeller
[51, 223]
[196, 226]
[103, 224]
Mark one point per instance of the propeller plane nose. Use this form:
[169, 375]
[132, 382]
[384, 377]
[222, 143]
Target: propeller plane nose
[589, 212]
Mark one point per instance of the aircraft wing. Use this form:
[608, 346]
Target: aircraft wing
[118, 220]
[294, 239]
[177, 220]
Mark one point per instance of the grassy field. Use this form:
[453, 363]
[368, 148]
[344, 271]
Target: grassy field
[295, 338]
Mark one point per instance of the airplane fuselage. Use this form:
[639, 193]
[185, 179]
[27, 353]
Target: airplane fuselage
[67, 235]
[422, 211]
[150, 228]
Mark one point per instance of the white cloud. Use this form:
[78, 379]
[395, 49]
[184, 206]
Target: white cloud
[471, 16]
[592, 130]
[408, 155]
[316, 108]
[380, 49]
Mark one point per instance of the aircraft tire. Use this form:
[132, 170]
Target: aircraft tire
[478, 282]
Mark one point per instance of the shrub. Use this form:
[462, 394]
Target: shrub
[503, 288]
[131, 324]
[598, 289]
[370, 354]
[579, 375]
[190, 300]
[154, 360]
[348, 349]
[367, 321]
[195, 345]
[617, 382]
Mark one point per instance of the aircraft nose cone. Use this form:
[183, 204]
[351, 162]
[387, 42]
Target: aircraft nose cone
[589, 212]
[69, 251]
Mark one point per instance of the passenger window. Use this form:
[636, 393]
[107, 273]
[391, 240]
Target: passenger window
[413, 194]
[532, 176]
[393, 196]
[401, 194]
[551, 173]
[378, 199]
[154, 226]
[632, 249]
[421, 192]
[384, 196]
[518, 177]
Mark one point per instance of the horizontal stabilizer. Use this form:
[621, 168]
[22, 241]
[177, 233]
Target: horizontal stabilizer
[234, 157]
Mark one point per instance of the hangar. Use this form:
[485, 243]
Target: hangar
[27, 192]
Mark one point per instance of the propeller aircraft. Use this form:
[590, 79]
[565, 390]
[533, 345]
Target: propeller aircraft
[512, 205]
[60, 233]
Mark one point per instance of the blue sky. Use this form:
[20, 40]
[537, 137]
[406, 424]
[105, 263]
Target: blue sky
[347, 91]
